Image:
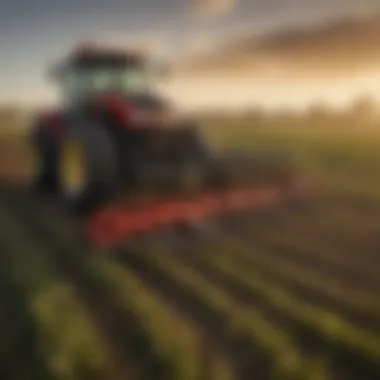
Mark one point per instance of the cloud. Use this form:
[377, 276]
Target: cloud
[340, 46]
[151, 42]
[211, 7]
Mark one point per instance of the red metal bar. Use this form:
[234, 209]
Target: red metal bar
[112, 224]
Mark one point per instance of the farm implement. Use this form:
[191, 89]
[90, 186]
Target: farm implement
[121, 155]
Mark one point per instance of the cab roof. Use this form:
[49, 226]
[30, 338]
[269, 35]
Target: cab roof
[91, 54]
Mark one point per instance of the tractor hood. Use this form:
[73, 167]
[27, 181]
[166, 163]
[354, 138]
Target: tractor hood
[152, 110]
[147, 102]
[141, 110]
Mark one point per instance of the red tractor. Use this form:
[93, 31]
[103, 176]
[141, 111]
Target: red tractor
[115, 135]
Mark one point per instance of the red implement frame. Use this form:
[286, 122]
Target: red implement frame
[109, 226]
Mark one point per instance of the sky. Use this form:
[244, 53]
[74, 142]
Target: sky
[34, 33]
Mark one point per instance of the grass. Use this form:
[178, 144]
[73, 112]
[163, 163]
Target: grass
[342, 161]
[65, 338]
[290, 294]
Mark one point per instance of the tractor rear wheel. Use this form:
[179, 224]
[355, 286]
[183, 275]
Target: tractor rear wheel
[87, 167]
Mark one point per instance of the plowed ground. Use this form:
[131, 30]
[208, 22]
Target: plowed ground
[286, 293]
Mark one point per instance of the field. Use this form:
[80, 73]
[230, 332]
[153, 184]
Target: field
[286, 293]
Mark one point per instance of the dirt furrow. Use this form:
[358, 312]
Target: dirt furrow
[19, 356]
[244, 356]
[311, 258]
[309, 339]
[126, 338]
[312, 293]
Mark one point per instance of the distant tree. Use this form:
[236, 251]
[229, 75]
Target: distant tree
[364, 108]
[318, 111]
[254, 113]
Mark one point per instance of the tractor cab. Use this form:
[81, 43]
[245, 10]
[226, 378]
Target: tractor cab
[91, 73]
[128, 173]
[114, 132]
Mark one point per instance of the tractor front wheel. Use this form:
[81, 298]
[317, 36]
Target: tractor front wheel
[87, 168]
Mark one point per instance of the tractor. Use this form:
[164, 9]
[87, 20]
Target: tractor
[113, 132]
[115, 135]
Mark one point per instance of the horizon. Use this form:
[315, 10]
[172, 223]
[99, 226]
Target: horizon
[175, 30]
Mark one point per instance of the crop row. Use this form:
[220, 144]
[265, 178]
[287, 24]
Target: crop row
[300, 250]
[306, 281]
[282, 255]
[267, 343]
[209, 309]
[244, 326]
[18, 356]
[175, 343]
[331, 332]
[333, 227]
[63, 330]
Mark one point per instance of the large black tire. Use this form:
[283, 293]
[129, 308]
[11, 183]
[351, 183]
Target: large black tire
[99, 166]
